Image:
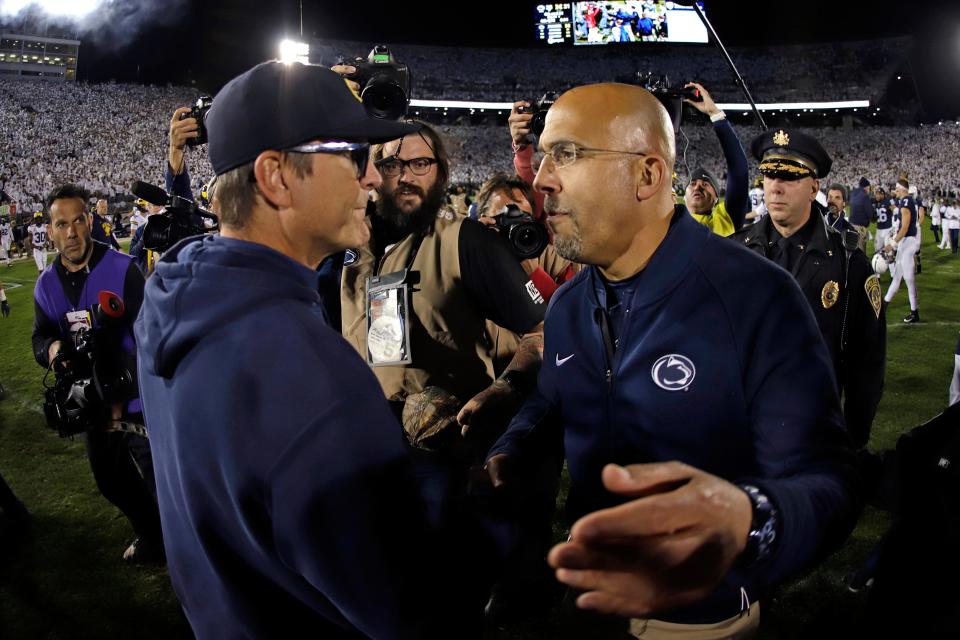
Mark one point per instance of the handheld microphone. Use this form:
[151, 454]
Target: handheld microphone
[111, 305]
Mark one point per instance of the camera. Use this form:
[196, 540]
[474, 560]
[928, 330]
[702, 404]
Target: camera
[94, 379]
[539, 110]
[659, 85]
[527, 237]
[671, 98]
[181, 218]
[384, 84]
[199, 112]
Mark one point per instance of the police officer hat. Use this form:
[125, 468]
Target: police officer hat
[278, 105]
[790, 154]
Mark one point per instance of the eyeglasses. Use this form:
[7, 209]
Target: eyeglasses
[565, 154]
[393, 166]
[359, 152]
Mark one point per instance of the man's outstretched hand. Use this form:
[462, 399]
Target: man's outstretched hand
[668, 547]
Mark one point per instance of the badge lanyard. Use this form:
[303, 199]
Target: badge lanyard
[388, 313]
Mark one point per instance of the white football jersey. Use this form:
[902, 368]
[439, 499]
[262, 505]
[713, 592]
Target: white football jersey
[136, 220]
[38, 233]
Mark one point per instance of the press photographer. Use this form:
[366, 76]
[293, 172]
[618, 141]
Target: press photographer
[66, 292]
[505, 203]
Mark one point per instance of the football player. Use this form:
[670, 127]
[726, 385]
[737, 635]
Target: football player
[37, 236]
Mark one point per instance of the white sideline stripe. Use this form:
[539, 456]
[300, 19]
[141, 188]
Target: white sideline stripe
[730, 106]
[791, 106]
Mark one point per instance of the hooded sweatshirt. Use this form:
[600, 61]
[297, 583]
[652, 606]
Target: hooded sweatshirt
[282, 477]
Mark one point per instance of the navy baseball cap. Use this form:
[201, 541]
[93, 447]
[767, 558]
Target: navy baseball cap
[278, 105]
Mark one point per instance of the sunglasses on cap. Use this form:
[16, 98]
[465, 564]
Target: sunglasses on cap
[359, 152]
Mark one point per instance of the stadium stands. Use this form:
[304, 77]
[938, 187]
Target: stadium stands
[106, 136]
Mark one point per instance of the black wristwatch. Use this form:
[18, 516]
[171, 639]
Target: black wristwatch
[763, 527]
[520, 382]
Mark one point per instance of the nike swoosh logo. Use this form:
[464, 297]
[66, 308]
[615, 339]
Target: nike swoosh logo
[561, 361]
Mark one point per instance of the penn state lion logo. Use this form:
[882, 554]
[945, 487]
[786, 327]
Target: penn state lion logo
[673, 372]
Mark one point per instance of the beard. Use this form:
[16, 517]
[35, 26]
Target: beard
[567, 245]
[394, 224]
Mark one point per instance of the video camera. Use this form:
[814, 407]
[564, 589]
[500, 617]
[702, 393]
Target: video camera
[89, 374]
[539, 110]
[181, 218]
[527, 237]
[199, 112]
[671, 97]
[384, 83]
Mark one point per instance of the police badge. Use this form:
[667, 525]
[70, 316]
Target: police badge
[830, 294]
[872, 287]
[781, 139]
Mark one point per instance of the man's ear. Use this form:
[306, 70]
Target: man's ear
[815, 190]
[267, 170]
[650, 173]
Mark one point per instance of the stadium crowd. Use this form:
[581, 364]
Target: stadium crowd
[100, 135]
[845, 71]
[52, 131]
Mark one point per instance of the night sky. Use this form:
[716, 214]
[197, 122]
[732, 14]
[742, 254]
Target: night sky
[207, 42]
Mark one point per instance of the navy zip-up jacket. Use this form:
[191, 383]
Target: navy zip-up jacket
[719, 365]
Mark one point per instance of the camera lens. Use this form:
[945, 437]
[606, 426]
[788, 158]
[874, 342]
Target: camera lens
[156, 236]
[384, 99]
[528, 239]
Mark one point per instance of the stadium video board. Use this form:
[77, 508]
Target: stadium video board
[618, 21]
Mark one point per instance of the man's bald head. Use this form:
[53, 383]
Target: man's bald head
[616, 116]
[607, 173]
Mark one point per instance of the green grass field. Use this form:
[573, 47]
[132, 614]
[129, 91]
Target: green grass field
[67, 579]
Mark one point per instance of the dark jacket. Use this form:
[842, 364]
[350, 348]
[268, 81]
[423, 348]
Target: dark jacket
[861, 207]
[101, 231]
[852, 321]
[732, 379]
[282, 477]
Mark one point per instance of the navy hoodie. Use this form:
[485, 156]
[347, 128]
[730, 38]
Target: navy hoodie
[282, 476]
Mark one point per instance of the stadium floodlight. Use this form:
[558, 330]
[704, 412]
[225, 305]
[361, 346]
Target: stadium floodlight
[294, 51]
[66, 8]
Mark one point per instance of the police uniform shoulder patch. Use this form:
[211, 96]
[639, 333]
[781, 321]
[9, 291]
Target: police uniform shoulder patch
[830, 294]
[872, 287]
